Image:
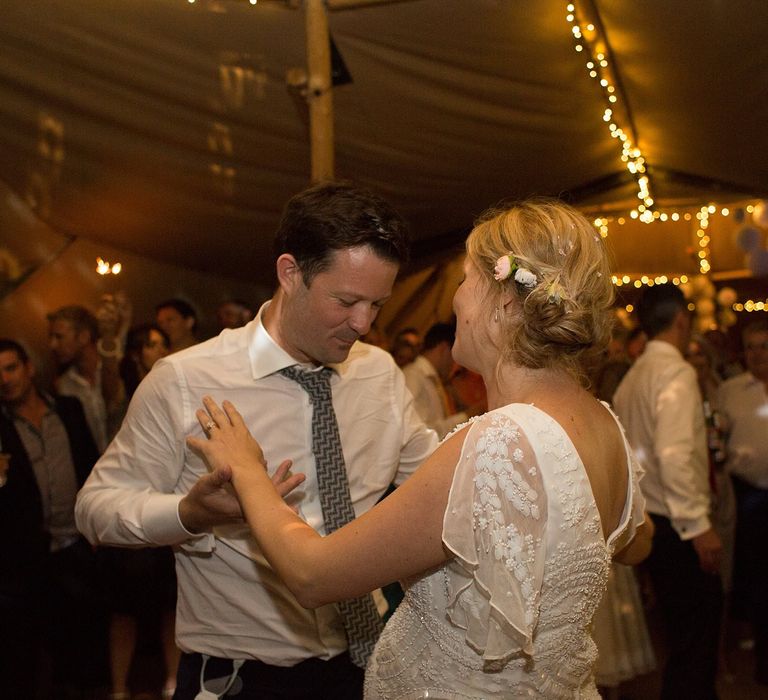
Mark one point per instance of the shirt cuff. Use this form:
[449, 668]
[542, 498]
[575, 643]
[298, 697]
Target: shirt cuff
[161, 521]
[690, 528]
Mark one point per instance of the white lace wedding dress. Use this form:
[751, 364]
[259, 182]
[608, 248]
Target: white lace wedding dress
[509, 616]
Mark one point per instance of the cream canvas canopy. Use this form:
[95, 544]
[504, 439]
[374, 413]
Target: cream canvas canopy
[170, 133]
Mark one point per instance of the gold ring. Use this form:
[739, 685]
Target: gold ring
[210, 425]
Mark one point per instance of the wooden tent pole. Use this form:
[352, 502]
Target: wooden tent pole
[319, 91]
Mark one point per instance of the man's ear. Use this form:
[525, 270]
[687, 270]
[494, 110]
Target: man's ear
[683, 320]
[289, 275]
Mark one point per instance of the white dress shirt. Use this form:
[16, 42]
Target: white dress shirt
[231, 604]
[430, 399]
[72, 383]
[659, 404]
[743, 402]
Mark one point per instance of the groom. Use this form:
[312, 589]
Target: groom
[338, 250]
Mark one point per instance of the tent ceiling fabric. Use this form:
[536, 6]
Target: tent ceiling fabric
[167, 129]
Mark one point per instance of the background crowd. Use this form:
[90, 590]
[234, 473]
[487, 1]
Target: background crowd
[73, 615]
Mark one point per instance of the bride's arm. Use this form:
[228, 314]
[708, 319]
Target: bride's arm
[400, 537]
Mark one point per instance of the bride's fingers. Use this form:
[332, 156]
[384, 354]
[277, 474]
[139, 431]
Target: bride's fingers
[233, 414]
[219, 417]
[205, 420]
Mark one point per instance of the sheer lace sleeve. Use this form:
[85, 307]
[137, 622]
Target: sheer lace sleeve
[634, 506]
[494, 524]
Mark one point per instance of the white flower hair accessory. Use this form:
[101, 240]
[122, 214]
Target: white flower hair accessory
[525, 277]
[506, 265]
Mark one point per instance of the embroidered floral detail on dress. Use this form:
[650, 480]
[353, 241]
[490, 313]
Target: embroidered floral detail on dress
[571, 491]
[516, 573]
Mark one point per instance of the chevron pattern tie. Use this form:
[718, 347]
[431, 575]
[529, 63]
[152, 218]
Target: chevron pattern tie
[362, 621]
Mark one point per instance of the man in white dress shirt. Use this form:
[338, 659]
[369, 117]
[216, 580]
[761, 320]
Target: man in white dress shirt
[338, 252]
[73, 337]
[744, 405]
[660, 406]
[425, 376]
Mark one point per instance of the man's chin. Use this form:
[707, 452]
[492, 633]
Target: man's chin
[338, 352]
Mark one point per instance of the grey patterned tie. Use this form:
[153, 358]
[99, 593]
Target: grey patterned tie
[362, 621]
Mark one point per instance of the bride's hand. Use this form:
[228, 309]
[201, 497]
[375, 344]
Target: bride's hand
[231, 447]
[229, 444]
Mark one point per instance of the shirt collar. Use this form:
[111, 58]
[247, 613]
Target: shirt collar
[8, 411]
[267, 357]
[662, 347]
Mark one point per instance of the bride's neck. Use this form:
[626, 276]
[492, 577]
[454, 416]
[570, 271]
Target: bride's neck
[513, 384]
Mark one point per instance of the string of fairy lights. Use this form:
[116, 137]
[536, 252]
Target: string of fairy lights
[590, 42]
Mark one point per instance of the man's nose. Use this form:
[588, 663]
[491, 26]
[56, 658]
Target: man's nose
[361, 319]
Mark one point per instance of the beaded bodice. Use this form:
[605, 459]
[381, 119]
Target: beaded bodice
[509, 615]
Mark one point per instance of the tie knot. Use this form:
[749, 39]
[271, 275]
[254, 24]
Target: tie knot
[317, 384]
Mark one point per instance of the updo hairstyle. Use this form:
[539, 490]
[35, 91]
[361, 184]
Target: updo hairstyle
[564, 319]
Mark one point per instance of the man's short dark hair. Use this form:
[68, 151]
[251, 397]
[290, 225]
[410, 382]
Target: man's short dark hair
[333, 216]
[183, 307]
[658, 308]
[79, 317]
[9, 345]
[440, 333]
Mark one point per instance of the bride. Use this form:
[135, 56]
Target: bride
[505, 535]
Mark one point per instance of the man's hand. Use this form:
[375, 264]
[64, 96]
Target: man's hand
[212, 500]
[709, 550]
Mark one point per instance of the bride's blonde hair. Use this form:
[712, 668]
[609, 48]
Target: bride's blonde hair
[565, 318]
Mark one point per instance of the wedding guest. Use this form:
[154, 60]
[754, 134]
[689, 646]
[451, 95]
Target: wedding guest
[48, 591]
[233, 313]
[425, 378]
[141, 582]
[178, 320]
[660, 405]
[505, 534]
[406, 346]
[744, 403]
[338, 249]
[87, 372]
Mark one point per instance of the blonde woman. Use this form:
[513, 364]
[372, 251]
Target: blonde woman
[505, 535]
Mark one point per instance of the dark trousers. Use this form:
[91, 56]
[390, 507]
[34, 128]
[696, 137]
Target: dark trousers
[751, 566]
[74, 622]
[313, 679]
[19, 646]
[691, 603]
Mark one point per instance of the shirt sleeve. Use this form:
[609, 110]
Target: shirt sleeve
[418, 441]
[498, 538]
[679, 443]
[130, 497]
